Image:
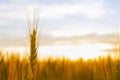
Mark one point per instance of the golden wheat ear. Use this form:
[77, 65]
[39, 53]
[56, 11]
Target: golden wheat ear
[32, 33]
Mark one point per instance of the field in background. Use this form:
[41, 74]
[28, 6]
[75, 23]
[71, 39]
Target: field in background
[13, 68]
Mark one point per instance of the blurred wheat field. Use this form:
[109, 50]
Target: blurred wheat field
[14, 68]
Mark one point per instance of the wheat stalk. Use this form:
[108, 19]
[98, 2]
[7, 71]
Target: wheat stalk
[32, 29]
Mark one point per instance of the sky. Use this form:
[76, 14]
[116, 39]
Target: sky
[58, 19]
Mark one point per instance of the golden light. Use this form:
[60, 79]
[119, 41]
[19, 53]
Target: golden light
[72, 52]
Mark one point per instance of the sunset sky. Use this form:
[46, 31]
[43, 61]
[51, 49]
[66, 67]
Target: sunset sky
[94, 20]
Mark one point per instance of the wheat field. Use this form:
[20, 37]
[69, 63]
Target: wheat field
[14, 68]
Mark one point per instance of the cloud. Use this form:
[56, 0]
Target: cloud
[94, 9]
[48, 39]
